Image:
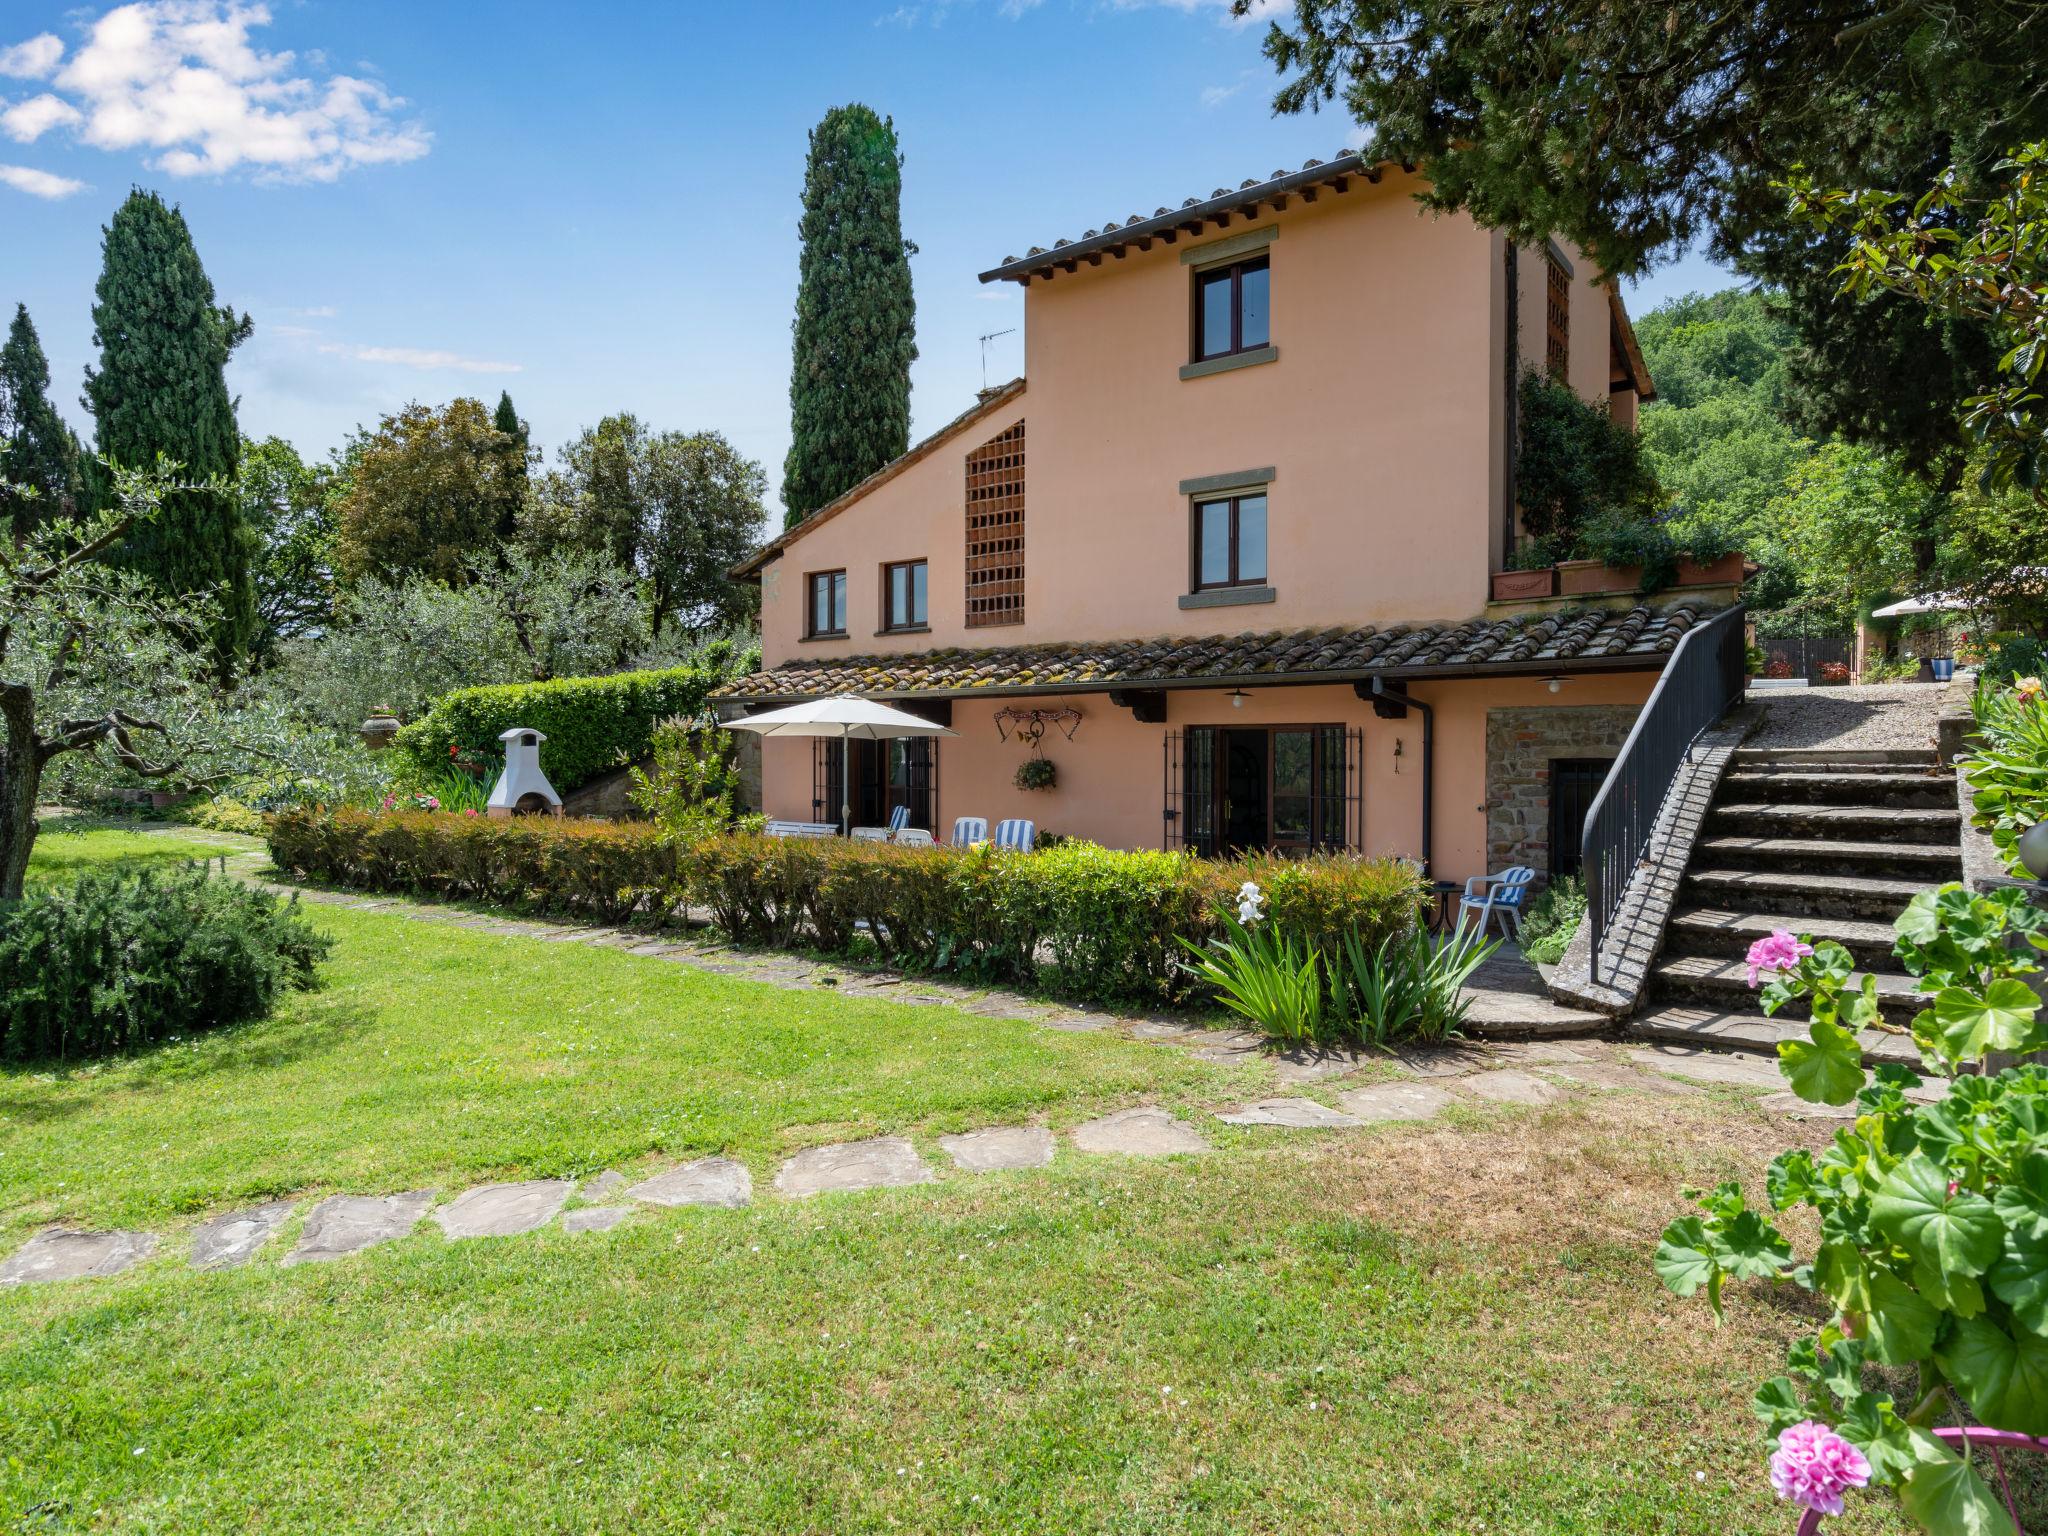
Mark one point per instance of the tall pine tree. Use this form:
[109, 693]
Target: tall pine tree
[161, 388]
[41, 452]
[506, 420]
[856, 321]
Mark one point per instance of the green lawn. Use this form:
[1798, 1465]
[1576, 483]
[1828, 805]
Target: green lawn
[1440, 1328]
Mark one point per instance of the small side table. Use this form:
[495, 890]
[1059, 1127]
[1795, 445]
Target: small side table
[1441, 894]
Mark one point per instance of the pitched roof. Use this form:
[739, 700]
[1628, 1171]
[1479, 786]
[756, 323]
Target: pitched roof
[1167, 223]
[988, 401]
[1571, 640]
[1624, 333]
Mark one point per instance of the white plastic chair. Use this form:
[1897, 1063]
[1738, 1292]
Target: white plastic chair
[1503, 893]
[801, 829]
[915, 837]
[970, 829]
[1017, 834]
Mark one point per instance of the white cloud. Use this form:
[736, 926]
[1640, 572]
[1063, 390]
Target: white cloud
[38, 183]
[33, 59]
[27, 121]
[181, 81]
[417, 357]
[1216, 95]
[316, 312]
[1259, 10]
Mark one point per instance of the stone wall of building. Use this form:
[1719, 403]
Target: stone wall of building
[1521, 744]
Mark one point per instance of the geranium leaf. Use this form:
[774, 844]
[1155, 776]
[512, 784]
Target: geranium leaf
[1973, 1024]
[1901, 1322]
[1920, 922]
[1824, 1068]
[1791, 1179]
[2004, 1377]
[1843, 1277]
[1942, 1493]
[1779, 1404]
[1960, 1294]
[1750, 1248]
[1958, 1232]
[2020, 1279]
[2023, 1204]
[1684, 1260]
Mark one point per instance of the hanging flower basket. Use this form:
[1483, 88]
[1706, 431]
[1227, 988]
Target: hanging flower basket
[1036, 773]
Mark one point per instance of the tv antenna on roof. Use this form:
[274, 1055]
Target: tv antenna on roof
[991, 336]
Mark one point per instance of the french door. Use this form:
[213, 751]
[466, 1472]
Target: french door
[1289, 788]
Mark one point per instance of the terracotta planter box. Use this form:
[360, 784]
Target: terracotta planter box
[1519, 586]
[1726, 571]
[1581, 578]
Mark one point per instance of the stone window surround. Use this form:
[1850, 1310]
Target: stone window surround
[1216, 253]
[1234, 481]
[1521, 743]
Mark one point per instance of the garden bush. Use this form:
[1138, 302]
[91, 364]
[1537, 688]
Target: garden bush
[1553, 919]
[121, 958]
[592, 724]
[1086, 923]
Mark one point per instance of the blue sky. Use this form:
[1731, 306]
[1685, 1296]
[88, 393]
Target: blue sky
[595, 206]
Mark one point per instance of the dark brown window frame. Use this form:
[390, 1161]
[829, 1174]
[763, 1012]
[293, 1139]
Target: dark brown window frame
[892, 624]
[1263, 261]
[811, 580]
[1321, 835]
[1195, 505]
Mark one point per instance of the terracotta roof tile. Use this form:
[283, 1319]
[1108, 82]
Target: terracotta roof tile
[1574, 639]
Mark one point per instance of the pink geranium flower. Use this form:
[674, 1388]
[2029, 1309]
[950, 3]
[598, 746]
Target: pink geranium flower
[1813, 1466]
[1780, 952]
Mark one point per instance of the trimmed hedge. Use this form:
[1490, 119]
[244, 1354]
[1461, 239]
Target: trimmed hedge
[121, 958]
[1084, 922]
[592, 724]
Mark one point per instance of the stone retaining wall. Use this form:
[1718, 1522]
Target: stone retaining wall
[1520, 745]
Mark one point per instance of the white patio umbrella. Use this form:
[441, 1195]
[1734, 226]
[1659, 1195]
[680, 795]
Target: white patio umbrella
[847, 717]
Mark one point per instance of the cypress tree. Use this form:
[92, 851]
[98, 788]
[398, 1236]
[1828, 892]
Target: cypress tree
[856, 321]
[506, 420]
[161, 388]
[41, 451]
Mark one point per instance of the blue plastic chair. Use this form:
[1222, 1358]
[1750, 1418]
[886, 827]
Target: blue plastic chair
[970, 829]
[898, 820]
[1503, 893]
[1018, 834]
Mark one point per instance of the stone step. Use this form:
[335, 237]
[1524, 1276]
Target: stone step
[1718, 931]
[1779, 786]
[1756, 1034]
[1928, 863]
[1784, 890]
[1833, 759]
[1875, 824]
[1718, 982]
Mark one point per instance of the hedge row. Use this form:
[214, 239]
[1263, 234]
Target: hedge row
[1087, 923]
[591, 723]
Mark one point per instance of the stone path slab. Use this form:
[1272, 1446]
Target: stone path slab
[719, 1181]
[1000, 1147]
[1794, 1107]
[231, 1240]
[1139, 1133]
[604, 1186]
[1710, 1066]
[1508, 1086]
[63, 1254]
[887, 1162]
[1301, 1114]
[1439, 1060]
[1619, 1079]
[343, 1224]
[1395, 1101]
[595, 1218]
[503, 1210]
[1313, 1066]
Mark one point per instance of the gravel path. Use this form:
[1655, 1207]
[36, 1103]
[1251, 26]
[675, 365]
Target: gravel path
[1879, 716]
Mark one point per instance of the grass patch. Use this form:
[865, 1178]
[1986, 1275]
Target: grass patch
[66, 848]
[1449, 1327]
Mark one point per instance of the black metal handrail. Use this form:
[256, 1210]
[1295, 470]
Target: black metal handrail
[1700, 683]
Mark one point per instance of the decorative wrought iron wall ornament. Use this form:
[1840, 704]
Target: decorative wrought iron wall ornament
[1030, 724]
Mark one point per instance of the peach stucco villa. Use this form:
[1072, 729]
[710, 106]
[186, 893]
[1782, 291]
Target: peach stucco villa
[1255, 471]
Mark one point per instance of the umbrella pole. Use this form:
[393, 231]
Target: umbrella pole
[845, 780]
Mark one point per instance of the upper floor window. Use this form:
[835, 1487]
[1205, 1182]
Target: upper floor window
[826, 609]
[1230, 542]
[1233, 308]
[1557, 318]
[903, 596]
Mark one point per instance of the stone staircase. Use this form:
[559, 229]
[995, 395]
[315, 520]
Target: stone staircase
[1828, 843]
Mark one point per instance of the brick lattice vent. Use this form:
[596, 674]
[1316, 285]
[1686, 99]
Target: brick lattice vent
[1830, 843]
[995, 530]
